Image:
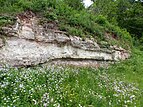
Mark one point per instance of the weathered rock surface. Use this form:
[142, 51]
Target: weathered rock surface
[1, 43]
[29, 43]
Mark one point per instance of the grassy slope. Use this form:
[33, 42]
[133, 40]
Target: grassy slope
[118, 86]
[75, 22]
[131, 71]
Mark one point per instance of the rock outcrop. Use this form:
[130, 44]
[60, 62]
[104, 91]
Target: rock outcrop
[28, 43]
[1, 43]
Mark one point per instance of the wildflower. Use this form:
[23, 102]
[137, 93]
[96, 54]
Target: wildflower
[35, 102]
[132, 96]
[45, 104]
[79, 105]
[21, 86]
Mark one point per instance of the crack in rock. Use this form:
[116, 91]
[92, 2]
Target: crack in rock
[28, 43]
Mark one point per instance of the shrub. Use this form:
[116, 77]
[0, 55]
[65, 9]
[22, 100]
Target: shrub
[81, 22]
[101, 20]
[75, 4]
[5, 20]
[51, 16]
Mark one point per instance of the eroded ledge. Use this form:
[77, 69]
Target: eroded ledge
[28, 43]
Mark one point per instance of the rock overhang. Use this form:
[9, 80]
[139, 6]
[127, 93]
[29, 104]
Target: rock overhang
[29, 43]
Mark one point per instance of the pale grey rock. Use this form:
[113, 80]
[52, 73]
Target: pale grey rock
[30, 44]
[1, 43]
[26, 33]
[20, 52]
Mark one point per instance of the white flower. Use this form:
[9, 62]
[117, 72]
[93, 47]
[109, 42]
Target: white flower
[52, 99]
[45, 104]
[35, 102]
[132, 96]
[21, 86]
[56, 105]
[109, 103]
[79, 105]
[116, 95]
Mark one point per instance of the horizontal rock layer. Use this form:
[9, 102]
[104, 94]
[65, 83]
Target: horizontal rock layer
[28, 43]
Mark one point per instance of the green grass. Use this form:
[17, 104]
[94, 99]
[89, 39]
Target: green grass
[118, 86]
[75, 22]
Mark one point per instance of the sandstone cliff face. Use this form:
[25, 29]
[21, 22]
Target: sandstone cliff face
[29, 43]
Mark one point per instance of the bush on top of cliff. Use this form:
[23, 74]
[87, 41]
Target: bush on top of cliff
[73, 18]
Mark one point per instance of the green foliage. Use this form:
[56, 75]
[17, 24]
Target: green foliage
[71, 13]
[5, 20]
[51, 16]
[133, 19]
[107, 8]
[16, 6]
[24, 4]
[119, 85]
[124, 13]
[101, 20]
[86, 24]
[41, 6]
[75, 4]
[131, 70]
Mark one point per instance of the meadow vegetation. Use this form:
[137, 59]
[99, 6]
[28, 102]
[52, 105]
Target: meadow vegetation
[76, 22]
[118, 86]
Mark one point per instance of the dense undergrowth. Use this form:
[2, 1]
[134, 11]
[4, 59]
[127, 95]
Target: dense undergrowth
[76, 22]
[118, 86]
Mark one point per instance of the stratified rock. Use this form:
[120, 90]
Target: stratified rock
[29, 43]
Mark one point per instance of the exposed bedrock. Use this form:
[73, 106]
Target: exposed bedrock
[27, 43]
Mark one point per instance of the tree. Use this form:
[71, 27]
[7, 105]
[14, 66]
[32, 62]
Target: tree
[76, 4]
[106, 8]
[132, 19]
[126, 13]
